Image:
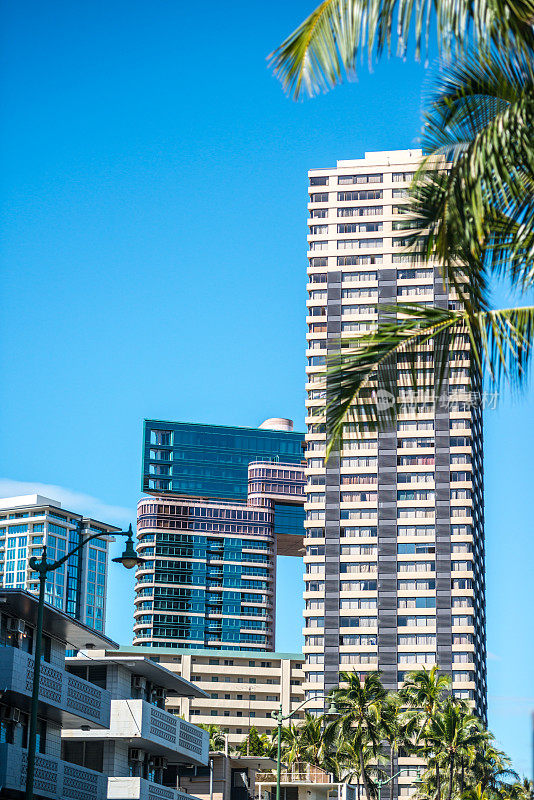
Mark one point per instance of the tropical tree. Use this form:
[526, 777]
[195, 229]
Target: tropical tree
[362, 706]
[217, 737]
[399, 731]
[472, 202]
[326, 46]
[310, 741]
[453, 733]
[423, 692]
[254, 744]
[351, 753]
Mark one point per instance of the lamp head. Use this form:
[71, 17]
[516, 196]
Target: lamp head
[332, 710]
[129, 557]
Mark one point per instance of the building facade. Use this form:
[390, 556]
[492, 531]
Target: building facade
[79, 586]
[394, 521]
[142, 747]
[65, 701]
[208, 575]
[242, 688]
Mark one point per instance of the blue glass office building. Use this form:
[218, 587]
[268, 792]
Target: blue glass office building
[210, 534]
[210, 460]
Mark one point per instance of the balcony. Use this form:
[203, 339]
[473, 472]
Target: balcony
[141, 789]
[53, 778]
[153, 730]
[64, 698]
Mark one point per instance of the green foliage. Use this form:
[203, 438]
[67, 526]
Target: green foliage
[471, 202]
[217, 737]
[459, 757]
[255, 744]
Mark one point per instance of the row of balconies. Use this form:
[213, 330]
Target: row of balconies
[55, 778]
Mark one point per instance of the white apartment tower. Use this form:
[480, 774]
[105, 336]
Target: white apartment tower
[394, 521]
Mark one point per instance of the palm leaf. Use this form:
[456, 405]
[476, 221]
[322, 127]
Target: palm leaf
[326, 45]
[500, 342]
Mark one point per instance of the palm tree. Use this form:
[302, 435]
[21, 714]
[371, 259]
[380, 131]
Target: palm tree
[424, 691]
[349, 763]
[217, 737]
[399, 730]
[453, 732]
[489, 767]
[473, 197]
[327, 44]
[362, 707]
[310, 741]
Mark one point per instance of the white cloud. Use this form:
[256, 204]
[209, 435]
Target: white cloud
[74, 501]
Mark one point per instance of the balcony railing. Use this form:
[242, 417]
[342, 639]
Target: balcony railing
[300, 774]
[141, 789]
[63, 696]
[53, 778]
[153, 730]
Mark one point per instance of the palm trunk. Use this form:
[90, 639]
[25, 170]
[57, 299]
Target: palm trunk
[438, 782]
[462, 775]
[391, 772]
[364, 775]
[451, 778]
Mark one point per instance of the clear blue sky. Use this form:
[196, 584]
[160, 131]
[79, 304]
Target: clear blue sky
[153, 191]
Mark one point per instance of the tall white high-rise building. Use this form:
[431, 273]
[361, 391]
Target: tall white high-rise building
[394, 521]
[79, 586]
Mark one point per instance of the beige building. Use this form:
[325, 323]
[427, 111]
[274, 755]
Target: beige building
[243, 687]
[394, 522]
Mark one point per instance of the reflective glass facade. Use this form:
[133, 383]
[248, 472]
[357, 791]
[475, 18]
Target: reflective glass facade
[210, 460]
[79, 586]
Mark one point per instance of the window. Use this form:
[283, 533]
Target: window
[344, 180]
[319, 180]
[321, 197]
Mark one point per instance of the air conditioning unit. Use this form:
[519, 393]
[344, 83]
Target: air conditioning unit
[158, 762]
[138, 682]
[16, 625]
[10, 714]
[135, 755]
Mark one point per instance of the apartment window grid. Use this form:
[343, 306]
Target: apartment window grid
[66, 586]
[434, 496]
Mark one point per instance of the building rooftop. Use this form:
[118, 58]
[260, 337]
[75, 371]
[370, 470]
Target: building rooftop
[26, 500]
[138, 663]
[154, 652]
[23, 605]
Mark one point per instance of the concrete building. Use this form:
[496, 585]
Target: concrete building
[394, 522]
[242, 688]
[306, 783]
[143, 744]
[209, 573]
[226, 778]
[79, 587]
[66, 701]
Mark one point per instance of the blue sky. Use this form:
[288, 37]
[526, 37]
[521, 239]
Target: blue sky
[153, 207]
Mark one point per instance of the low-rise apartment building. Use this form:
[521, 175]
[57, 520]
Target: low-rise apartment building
[66, 701]
[242, 688]
[144, 743]
[103, 731]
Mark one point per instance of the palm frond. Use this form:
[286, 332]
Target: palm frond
[362, 378]
[473, 194]
[362, 382]
[326, 45]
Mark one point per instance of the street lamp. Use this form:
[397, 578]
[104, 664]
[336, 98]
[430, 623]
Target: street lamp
[280, 717]
[128, 559]
[380, 782]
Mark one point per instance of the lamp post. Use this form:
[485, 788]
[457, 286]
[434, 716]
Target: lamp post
[380, 782]
[280, 717]
[128, 559]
